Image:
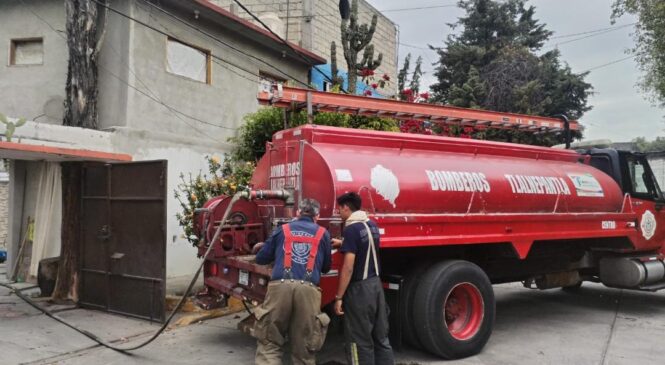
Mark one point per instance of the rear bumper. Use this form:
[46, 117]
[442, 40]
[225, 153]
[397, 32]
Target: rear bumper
[226, 278]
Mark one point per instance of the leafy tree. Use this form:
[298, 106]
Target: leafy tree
[657, 145]
[494, 62]
[224, 177]
[259, 127]
[649, 38]
[409, 93]
[403, 73]
[416, 76]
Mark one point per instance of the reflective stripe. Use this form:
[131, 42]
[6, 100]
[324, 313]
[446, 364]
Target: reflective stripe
[313, 242]
[314, 249]
[288, 246]
[354, 354]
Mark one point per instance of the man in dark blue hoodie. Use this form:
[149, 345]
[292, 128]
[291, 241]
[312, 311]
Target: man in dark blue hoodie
[300, 251]
[360, 297]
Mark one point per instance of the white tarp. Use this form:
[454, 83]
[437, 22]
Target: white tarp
[186, 61]
[48, 215]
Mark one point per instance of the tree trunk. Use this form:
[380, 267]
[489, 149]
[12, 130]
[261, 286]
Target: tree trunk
[66, 286]
[82, 73]
[81, 92]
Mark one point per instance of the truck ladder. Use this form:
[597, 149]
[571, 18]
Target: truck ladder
[287, 97]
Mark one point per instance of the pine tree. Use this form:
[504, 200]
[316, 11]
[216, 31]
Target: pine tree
[494, 63]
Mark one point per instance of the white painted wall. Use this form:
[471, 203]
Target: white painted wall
[184, 155]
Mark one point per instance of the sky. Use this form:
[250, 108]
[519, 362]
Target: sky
[621, 111]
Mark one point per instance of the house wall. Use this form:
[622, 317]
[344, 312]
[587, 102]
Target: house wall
[4, 203]
[220, 105]
[132, 65]
[35, 92]
[317, 31]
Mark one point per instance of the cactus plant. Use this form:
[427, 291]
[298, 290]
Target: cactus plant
[356, 38]
[337, 80]
[11, 126]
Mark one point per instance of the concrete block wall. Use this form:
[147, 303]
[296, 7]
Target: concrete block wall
[324, 24]
[4, 220]
[326, 29]
[33, 91]
[293, 9]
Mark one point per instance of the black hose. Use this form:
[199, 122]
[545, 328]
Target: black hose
[168, 320]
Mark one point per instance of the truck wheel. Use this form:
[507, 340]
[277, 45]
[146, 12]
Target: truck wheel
[408, 326]
[454, 309]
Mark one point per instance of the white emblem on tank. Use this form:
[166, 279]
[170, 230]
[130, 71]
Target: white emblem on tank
[648, 224]
[385, 183]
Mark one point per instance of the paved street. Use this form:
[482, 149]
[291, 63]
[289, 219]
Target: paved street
[598, 325]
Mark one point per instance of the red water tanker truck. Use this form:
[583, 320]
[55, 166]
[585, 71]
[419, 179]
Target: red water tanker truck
[455, 216]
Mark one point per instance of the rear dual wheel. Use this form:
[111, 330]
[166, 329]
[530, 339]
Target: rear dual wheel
[453, 309]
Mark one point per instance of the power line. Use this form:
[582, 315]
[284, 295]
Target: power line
[170, 108]
[609, 63]
[217, 62]
[378, 12]
[418, 8]
[204, 33]
[592, 31]
[286, 43]
[416, 47]
[590, 36]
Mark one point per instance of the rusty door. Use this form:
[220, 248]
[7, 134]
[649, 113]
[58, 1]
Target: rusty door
[123, 238]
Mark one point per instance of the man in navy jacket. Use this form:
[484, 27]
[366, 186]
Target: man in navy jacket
[300, 251]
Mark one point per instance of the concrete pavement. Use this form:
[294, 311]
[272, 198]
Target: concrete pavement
[596, 325]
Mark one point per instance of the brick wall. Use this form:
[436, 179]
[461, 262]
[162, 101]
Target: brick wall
[325, 28]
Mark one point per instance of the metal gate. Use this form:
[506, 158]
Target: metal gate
[123, 238]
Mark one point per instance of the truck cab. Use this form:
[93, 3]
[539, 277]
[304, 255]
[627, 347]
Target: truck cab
[630, 170]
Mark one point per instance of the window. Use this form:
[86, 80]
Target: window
[643, 184]
[26, 51]
[639, 177]
[188, 61]
[267, 80]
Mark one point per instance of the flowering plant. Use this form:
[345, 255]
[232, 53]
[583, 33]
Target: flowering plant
[374, 83]
[224, 177]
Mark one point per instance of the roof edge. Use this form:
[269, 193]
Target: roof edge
[315, 58]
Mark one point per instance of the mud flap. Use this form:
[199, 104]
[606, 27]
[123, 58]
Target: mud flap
[392, 288]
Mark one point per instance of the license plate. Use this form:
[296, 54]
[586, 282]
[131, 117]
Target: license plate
[243, 279]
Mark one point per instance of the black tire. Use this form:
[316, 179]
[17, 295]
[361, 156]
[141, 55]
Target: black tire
[436, 286]
[411, 282]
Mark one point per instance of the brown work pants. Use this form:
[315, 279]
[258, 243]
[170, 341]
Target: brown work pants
[290, 311]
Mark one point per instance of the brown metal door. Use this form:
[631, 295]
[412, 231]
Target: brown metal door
[123, 236]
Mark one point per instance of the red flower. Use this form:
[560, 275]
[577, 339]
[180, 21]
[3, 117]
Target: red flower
[367, 92]
[425, 95]
[386, 77]
[468, 130]
[365, 72]
[375, 85]
[407, 91]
